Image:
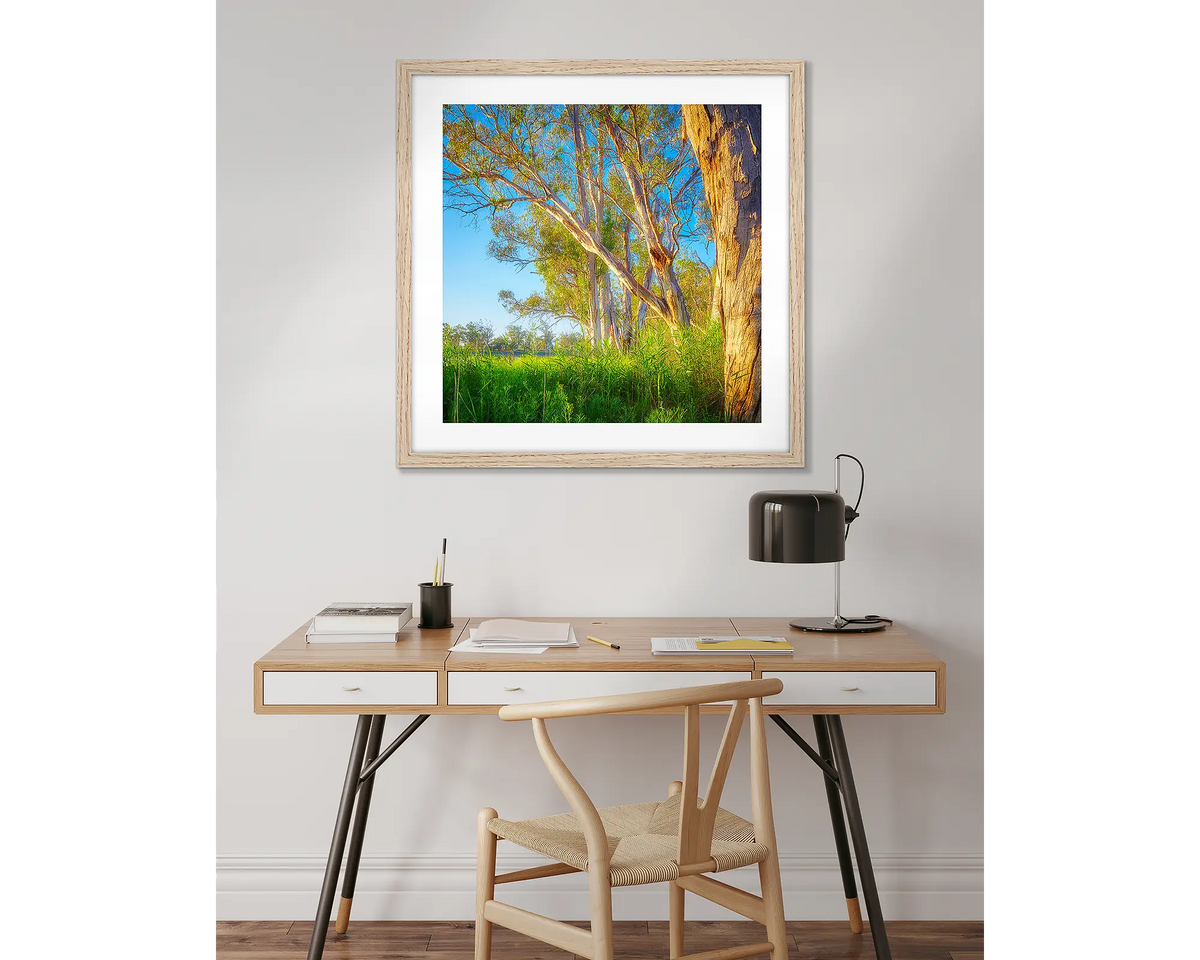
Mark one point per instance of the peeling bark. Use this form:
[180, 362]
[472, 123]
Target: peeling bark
[727, 140]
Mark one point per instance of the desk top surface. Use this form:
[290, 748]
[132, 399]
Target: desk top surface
[418, 649]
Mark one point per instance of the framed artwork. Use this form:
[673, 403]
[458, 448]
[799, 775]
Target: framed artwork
[600, 263]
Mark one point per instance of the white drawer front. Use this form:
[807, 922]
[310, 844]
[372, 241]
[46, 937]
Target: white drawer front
[875, 687]
[282, 687]
[534, 686]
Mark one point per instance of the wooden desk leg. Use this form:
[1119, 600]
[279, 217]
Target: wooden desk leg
[341, 827]
[859, 837]
[361, 810]
[839, 829]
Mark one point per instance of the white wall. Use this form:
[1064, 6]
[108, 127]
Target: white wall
[311, 508]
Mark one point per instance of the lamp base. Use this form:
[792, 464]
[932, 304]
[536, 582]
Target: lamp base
[828, 625]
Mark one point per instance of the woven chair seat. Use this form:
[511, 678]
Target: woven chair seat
[643, 840]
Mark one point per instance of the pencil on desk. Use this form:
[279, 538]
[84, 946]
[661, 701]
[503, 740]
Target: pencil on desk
[605, 642]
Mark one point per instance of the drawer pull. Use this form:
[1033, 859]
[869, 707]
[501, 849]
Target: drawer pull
[512, 689]
[351, 689]
[849, 689]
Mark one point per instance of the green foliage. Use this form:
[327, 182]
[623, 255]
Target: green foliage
[476, 335]
[665, 378]
[535, 239]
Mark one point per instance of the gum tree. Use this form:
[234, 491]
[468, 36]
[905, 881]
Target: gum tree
[506, 158]
[727, 141]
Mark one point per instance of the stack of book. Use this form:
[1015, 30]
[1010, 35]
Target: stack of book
[359, 623]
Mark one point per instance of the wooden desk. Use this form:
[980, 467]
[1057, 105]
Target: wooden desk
[888, 672]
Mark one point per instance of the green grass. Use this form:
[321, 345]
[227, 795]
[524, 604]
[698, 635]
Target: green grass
[663, 379]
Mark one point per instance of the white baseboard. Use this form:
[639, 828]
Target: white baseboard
[428, 887]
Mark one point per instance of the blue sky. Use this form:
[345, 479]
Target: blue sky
[471, 279]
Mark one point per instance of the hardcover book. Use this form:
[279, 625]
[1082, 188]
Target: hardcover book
[362, 618]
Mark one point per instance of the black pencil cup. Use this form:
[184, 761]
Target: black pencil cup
[435, 605]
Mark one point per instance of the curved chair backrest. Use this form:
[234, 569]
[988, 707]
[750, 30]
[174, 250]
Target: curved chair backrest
[697, 816]
[650, 700]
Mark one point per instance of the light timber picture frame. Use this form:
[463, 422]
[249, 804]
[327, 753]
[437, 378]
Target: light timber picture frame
[600, 263]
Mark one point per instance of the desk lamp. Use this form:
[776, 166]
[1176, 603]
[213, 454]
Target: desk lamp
[810, 526]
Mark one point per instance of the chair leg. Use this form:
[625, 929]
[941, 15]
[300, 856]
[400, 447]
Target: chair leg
[764, 833]
[485, 884]
[676, 893]
[772, 895]
[600, 895]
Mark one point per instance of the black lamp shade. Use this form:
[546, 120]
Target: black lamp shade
[797, 526]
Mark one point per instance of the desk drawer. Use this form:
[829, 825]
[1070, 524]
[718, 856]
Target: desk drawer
[882, 687]
[319, 687]
[468, 687]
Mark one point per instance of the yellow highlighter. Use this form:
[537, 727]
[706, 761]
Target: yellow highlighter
[605, 642]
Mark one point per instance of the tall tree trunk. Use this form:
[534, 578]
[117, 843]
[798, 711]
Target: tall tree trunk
[627, 318]
[585, 214]
[608, 321]
[610, 311]
[726, 139]
[648, 283]
[673, 292]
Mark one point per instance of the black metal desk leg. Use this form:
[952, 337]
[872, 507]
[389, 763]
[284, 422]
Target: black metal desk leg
[361, 810]
[839, 829]
[338, 846]
[859, 837]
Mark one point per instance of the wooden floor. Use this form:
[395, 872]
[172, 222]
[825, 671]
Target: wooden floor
[635, 940]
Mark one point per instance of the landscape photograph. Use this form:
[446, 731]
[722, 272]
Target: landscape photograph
[602, 263]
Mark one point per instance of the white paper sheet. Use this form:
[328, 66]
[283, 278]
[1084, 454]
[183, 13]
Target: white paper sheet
[470, 646]
[525, 631]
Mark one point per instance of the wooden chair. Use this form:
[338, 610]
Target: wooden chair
[677, 840]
